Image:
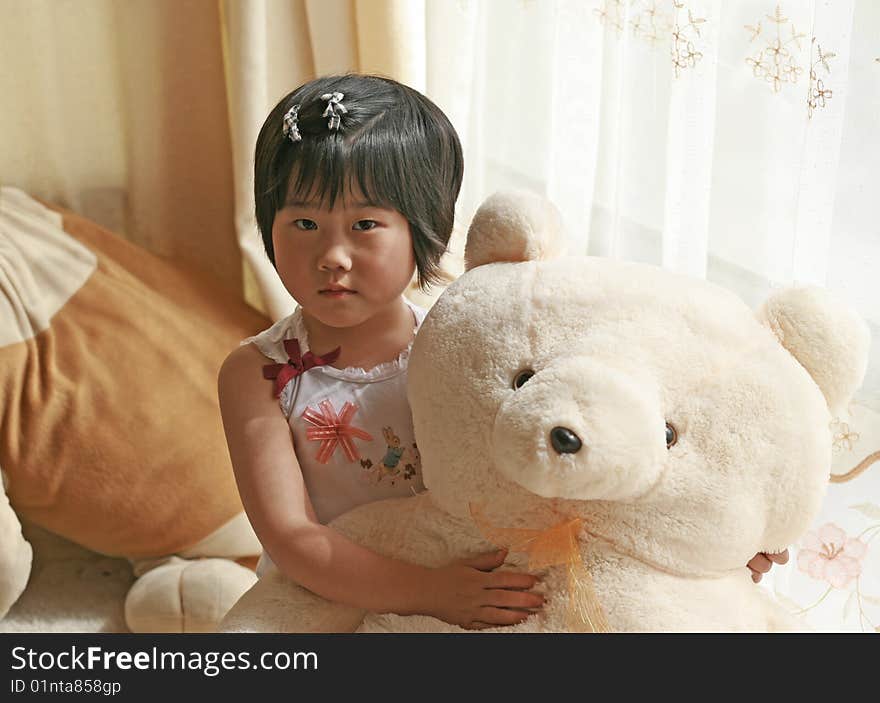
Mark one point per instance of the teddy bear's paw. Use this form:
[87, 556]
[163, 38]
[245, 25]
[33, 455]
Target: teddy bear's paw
[186, 596]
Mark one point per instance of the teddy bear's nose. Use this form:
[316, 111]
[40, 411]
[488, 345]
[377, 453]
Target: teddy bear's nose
[564, 441]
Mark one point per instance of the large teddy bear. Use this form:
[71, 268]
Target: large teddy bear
[652, 419]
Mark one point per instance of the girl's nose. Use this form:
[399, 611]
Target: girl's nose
[334, 258]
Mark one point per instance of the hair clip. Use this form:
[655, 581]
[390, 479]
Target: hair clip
[291, 129]
[333, 105]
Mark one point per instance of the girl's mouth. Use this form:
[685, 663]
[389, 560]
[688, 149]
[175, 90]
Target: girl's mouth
[336, 292]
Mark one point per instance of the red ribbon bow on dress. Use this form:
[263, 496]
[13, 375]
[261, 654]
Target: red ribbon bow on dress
[332, 429]
[296, 364]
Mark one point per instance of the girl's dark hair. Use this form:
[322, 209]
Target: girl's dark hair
[393, 143]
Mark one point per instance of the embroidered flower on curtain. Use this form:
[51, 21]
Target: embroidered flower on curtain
[684, 55]
[843, 437]
[830, 555]
[775, 63]
[818, 94]
[611, 14]
[655, 21]
[836, 557]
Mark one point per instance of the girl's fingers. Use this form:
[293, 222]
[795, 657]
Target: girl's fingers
[514, 599]
[486, 561]
[779, 557]
[512, 579]
[499, 616]
[475, 626]
[760, 563]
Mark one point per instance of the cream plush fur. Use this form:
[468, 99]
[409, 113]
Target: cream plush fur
[619, 350]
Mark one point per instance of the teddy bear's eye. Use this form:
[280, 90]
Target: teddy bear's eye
[521, 378]
[671, 435]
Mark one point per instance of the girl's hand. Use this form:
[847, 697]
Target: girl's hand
[470, 594]
[761, 563]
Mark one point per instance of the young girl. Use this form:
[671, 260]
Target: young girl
[356, 179]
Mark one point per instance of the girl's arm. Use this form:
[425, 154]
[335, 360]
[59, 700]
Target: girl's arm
[323, 560]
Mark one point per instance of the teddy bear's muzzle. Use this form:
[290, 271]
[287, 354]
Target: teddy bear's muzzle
[581, 429]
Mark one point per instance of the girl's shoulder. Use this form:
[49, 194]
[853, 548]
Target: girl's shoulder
[271, 340]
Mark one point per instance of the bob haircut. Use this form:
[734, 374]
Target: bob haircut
[393, 144]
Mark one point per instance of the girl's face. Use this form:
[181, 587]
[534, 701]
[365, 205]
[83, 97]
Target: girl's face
[346, 264]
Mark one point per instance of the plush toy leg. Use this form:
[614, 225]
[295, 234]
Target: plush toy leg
[275, 604]
[180, 595]
[234, 540]
[15, 554]
[193, 593]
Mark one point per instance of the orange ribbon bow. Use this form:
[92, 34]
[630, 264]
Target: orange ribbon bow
[554, 546]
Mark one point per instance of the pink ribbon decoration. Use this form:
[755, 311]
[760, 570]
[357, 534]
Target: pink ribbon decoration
[332, 429]
[297, 363]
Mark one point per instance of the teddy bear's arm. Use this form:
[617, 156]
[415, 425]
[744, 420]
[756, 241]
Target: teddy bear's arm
[398, 528]
[275, 604]
[15, 554]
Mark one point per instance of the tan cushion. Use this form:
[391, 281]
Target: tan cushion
[110, 431]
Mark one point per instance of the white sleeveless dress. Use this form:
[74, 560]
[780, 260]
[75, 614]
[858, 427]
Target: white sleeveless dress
[352, 428]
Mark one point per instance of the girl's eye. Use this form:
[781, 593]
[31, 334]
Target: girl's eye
[364, 225]
[304, 224]
[520, 380]
[671, 435]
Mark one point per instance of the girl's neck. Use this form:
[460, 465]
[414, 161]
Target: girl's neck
[376, 340]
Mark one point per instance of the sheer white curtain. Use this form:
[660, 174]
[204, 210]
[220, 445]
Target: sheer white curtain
[736, 141]
[658, 128]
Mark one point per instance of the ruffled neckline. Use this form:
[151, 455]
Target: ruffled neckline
[387, 369]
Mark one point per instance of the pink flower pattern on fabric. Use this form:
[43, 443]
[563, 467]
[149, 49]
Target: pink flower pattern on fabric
[332, 430]
[831, 556]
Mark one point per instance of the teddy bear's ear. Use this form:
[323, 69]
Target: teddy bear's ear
[513, 225]
[829, 339]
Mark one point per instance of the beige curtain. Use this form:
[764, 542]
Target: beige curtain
[117, 110]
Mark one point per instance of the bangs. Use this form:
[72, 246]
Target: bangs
[330, 169]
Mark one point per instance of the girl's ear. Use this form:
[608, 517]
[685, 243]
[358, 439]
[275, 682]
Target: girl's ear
[514, 225]
[829, 339]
